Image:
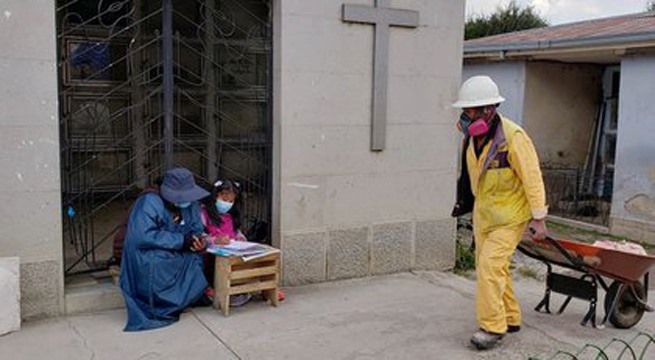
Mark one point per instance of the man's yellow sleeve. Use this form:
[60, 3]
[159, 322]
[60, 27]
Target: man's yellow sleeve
[525, 162]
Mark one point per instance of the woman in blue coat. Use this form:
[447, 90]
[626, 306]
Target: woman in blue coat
[162, 270]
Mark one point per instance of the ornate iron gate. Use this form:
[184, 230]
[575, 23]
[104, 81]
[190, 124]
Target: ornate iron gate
[149, 84]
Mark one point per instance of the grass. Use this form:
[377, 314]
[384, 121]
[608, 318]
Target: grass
[465, 258]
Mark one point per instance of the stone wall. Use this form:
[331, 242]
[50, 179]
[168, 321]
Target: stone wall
[30, 215]
[372, 250]
[342, 210]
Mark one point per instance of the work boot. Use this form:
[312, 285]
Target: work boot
[513, 329]
[484, 340]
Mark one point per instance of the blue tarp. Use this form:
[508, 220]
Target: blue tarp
[158, 278]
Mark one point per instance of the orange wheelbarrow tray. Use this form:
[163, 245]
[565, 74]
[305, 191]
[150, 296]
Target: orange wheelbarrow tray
[627, 296]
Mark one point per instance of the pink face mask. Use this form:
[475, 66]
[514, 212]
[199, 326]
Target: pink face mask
[478, 127]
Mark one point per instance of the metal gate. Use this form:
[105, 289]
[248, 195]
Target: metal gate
[149, 84]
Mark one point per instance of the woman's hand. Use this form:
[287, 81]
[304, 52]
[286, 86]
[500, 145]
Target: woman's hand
[198, 244]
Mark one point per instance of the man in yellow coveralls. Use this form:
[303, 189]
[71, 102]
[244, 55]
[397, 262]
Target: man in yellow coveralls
[509, 193]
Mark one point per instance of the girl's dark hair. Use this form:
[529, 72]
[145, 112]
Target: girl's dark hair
[210, 202]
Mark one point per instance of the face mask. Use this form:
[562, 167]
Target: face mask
[475, 127]
[464, 122]
[223, 206]
[478, 127]
[183, 205]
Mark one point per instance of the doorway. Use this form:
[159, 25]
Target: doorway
[147, 85]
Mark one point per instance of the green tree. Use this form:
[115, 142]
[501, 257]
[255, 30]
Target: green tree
[650, 6]
[509, 18]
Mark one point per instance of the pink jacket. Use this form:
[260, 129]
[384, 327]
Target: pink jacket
[226, 228]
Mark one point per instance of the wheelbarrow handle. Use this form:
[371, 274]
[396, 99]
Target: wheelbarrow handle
[573, 260]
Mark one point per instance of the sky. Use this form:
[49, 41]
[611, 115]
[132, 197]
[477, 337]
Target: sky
[564, 11]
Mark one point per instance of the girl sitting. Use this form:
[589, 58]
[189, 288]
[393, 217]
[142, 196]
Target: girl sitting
[220, 214]
[221, 217]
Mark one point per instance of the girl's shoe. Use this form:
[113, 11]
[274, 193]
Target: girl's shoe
[204, 301]
[239, 300]
[209, 291]
[207, 298]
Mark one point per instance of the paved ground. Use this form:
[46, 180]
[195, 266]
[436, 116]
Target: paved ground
[405, 316]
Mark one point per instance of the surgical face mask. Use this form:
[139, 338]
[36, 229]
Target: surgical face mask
[183, 205]
[223, 206]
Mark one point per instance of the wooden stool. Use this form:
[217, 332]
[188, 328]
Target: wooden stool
[234, 276]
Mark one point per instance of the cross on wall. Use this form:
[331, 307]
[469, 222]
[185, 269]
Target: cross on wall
[382, 16]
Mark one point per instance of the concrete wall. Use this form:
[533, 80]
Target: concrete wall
[510, 77]
[561, 103]
[30, 216]
[345, 211]
[633, 203]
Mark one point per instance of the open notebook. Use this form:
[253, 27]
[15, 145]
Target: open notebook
[246, 250]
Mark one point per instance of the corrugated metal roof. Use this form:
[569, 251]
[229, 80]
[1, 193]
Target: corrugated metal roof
[615, 29]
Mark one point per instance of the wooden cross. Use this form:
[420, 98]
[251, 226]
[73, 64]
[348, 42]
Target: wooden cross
[382, 17]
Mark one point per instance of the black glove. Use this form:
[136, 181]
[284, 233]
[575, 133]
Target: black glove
[465, 198]
[460, 209]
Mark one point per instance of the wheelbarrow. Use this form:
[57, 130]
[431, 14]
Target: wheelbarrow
[626, 297]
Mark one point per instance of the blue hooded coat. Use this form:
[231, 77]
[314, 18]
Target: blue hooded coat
[159, 278]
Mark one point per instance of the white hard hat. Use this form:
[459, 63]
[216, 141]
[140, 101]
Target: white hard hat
[478, 91]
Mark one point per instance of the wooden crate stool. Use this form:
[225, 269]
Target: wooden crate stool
[234, 276]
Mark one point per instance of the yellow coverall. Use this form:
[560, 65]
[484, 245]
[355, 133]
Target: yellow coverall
[509, 191]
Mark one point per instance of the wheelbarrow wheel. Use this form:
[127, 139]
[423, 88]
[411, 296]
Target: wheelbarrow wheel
[628, 310]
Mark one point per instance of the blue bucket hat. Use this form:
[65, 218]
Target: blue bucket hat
[179, 187]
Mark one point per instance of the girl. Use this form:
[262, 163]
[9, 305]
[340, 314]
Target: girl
[220, 212]
[221, 217]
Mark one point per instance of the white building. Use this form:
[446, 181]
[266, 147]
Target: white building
[98, 97]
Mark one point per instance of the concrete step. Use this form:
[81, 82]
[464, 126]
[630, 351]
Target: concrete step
[94, 297]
